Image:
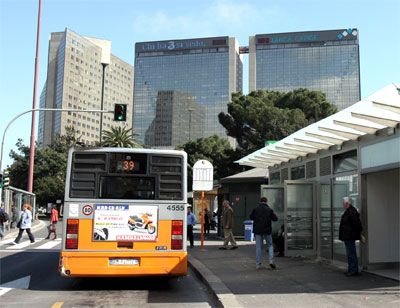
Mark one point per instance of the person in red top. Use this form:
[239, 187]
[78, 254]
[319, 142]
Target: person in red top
[53, 222]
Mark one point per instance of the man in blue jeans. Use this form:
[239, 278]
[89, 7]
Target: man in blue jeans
[349, 232]
[262, 217]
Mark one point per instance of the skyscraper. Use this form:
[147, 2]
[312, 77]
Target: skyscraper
[74, 81]
[318, 60]
[187, 78]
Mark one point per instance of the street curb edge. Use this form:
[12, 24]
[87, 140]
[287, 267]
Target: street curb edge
[222, 294]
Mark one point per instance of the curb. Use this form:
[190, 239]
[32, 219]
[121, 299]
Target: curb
[37, 226]
[220, 292]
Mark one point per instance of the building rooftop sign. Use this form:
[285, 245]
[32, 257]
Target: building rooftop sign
[306, 37]
[171, 45]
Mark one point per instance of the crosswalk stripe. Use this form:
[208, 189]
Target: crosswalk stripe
[8, 241]
[23, 244]
[20, 245]
[49, 244]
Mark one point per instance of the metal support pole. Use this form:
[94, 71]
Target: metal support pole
[190, 122]
[202, 219]
[33, 124]
[104, 65]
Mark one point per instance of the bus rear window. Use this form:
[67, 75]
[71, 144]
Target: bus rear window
[116, 187]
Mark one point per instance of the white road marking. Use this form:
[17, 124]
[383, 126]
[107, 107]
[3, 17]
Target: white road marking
[21, 283]
[50, 244]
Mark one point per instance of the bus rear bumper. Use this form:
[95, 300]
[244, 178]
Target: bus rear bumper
[97, 264]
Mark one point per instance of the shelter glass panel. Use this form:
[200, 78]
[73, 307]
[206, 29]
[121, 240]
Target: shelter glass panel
[343, 186]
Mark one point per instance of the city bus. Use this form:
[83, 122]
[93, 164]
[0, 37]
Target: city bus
[124, 213]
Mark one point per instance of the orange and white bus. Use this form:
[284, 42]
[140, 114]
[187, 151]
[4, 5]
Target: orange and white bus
[124, 213]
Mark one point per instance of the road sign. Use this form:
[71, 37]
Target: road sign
[203, 175]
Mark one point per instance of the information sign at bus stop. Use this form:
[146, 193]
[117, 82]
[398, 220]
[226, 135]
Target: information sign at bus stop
[203, 175]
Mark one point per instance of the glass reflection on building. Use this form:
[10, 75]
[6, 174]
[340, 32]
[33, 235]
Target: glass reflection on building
[181, 86]
[327, 61]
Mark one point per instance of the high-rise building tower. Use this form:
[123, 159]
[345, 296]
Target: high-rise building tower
[181, 86]
[318, 60]
[74, 81]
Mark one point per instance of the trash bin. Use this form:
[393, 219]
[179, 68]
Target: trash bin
[248, 230]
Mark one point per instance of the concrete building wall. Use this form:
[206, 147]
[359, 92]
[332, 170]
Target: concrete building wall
[74, 81]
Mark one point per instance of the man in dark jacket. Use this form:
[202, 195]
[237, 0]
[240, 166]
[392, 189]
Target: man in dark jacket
[262, 217]
[350, 231]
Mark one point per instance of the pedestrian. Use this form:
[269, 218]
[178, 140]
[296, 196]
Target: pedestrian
[227, 224]
[3, 218]
[262, 217]
[25, 223]
[53, 222]
[207, 222]
[349, 232]
[191, 222]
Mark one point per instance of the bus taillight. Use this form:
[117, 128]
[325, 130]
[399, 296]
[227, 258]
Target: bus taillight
[71, 240]
[177, 234]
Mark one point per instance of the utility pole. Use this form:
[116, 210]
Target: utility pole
[33, 124]
[104, 65]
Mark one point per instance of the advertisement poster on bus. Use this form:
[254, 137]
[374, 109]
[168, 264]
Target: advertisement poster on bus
[125, 222]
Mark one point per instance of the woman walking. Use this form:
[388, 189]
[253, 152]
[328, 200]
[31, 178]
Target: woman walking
[25, 223]
[53, 222]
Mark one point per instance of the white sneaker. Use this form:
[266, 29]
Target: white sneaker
[14, 243]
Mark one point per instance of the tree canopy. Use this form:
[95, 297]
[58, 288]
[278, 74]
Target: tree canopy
[216, 150]
[270, 115]
[120, 137]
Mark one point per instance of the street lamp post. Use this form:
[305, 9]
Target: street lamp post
[33, 124]
[104, 65]
[190, 122]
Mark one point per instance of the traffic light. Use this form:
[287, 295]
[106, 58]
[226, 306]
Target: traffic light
[120, 112]
[6, 178]
[1, 179]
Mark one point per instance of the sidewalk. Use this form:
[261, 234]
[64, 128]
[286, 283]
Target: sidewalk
[232, 277]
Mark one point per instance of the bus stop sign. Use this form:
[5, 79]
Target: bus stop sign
[203, 175]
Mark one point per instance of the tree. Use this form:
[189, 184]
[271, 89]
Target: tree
[270, 115]
[49, 170]
[216, 150]
[120, 137]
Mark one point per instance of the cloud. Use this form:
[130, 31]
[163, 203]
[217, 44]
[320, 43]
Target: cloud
[220, 17]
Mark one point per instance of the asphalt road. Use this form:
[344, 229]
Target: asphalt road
[31, 272]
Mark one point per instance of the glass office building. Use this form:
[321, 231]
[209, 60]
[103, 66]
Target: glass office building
[327, 61]
[181, 86]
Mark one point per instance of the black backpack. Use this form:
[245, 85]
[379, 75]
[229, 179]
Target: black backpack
[4, 216]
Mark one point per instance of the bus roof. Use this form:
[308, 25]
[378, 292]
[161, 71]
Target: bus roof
[129, 150]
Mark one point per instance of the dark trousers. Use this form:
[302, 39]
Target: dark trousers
[190, 234]
[352, 261]
[52, 229]
[32, 239]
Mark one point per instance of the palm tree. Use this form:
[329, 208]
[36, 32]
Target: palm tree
[121, 137]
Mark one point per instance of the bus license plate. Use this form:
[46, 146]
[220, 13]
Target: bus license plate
[124, 261]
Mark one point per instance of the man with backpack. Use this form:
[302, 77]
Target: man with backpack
[3, 218]
[262, 217]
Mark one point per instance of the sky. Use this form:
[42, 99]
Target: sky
[125, 22]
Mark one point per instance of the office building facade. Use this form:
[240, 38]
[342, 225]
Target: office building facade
[327, 61]
[75, 81]
[181, 86]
